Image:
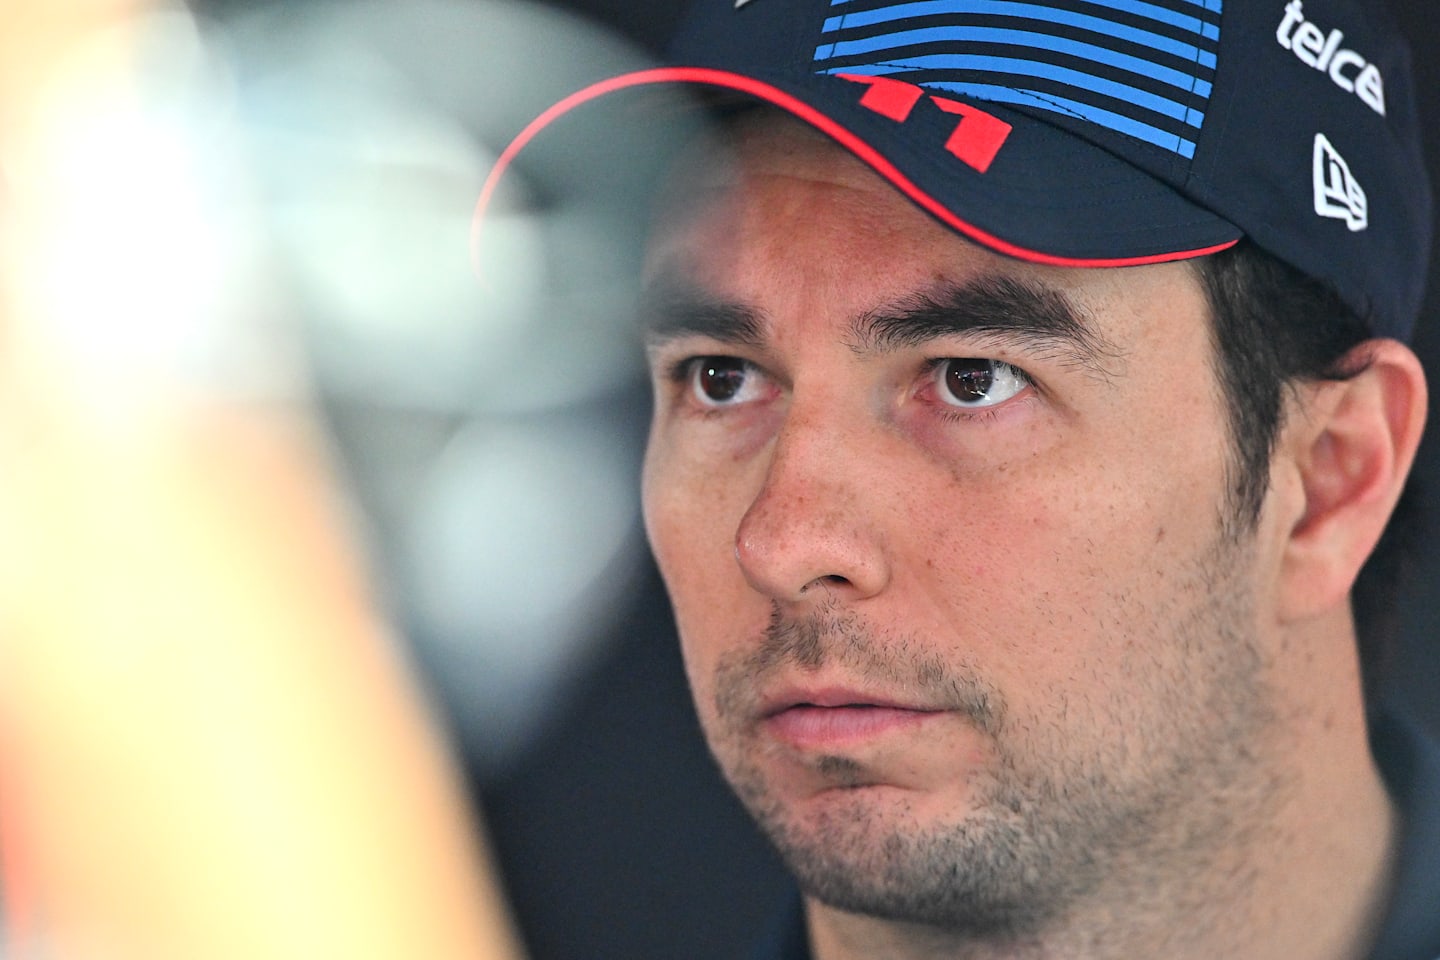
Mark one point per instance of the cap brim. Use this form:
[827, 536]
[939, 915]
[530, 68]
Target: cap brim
[1046, 197]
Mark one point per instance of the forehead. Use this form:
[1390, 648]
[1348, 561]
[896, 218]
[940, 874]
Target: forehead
[754, 144]
[779, 196]
[771, 168]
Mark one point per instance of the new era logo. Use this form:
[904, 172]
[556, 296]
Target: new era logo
[1338, 194]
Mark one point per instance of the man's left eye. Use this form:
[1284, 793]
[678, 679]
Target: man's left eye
[977, 382]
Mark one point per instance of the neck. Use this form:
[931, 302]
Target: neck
[1308, 879]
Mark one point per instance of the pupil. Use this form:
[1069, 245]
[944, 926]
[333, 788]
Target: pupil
[721, 381]
[970, 380]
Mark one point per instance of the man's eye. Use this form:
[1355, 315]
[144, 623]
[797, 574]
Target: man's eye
[723, 381]
[977, 382]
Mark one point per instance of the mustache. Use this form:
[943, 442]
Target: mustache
[838, 637]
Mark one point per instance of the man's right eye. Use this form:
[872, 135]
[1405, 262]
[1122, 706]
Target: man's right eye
[723, 381]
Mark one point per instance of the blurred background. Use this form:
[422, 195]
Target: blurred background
[487, 436]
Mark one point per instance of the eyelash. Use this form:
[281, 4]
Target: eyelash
[979, 415]
[680, 372]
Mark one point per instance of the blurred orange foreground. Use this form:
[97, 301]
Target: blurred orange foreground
[209, 744]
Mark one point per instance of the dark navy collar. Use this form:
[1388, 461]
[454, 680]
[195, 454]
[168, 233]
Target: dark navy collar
[787, 938]
[1409, 759]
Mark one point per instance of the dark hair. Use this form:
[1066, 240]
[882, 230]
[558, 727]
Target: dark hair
[1274, 327]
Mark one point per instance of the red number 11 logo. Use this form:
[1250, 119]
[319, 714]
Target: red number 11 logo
[977, 138]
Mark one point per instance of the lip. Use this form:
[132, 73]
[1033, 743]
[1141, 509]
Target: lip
[831, 717]
[835, 697]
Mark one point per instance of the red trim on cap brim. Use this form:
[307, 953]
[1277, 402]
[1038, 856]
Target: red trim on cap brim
[799, 108]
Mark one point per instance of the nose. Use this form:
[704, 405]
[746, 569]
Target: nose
[812, 529]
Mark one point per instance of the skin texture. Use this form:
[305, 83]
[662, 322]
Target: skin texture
[996, 680]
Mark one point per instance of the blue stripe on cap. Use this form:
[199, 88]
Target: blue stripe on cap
[1023, 38]
[1037, 70]
[1045, 101]
[1137, 8]
[1163, 15]
[1053, 35]
[1214, 6]
[1027, 11]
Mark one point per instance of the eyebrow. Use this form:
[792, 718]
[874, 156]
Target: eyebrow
[1037, 318]
[999, 309]
[669, 311]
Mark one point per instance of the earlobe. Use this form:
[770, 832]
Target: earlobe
[1352, 443]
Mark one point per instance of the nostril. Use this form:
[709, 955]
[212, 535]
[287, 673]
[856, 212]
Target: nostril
[827, 581]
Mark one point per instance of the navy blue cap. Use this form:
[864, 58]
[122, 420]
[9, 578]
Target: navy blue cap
[1105, 132]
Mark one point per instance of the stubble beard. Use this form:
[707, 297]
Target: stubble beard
[1059, 838]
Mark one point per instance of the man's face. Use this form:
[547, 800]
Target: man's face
[943, 535]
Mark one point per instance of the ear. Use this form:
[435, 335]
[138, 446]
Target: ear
[1352, 444]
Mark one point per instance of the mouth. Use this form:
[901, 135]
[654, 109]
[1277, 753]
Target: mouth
[831, 718]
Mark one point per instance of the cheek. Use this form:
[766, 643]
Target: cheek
[1062, 560]
[691, 516]
[684, 511]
